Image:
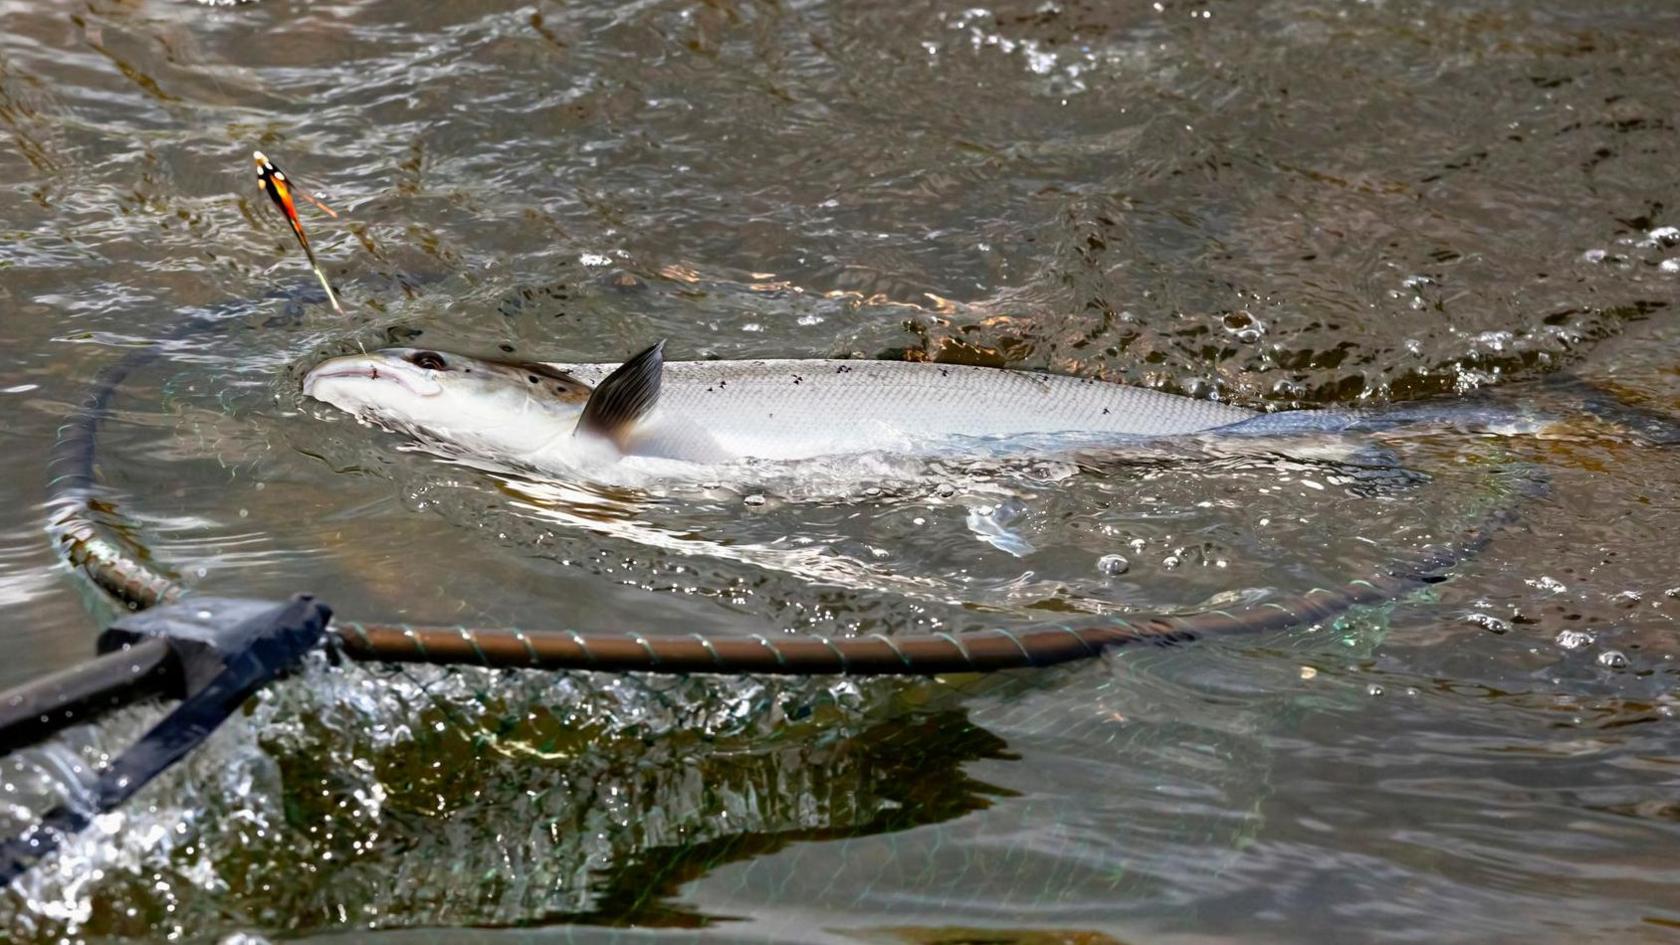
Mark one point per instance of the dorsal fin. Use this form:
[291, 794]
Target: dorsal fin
[625, 396]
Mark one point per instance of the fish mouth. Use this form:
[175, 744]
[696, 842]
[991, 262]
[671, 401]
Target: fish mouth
[373, 370]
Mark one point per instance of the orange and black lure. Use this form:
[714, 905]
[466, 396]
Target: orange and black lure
[279, 188]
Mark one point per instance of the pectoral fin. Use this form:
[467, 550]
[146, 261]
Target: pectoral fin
[625, 397]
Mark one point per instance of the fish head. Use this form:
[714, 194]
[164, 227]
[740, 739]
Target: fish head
[503, 409]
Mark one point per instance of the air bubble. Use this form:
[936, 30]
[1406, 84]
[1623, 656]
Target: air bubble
[1244, 326]
[1113, 564]
[1489, 622]
[1612, 659]
[1575, 639]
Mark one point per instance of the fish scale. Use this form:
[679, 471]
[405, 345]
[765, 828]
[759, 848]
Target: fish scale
[791, 409]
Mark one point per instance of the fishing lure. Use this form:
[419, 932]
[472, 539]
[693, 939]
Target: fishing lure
[279, 188]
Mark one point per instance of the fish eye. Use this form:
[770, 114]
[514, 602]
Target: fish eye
[430, 360]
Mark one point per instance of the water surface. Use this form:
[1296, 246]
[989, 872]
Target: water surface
[1283, 203]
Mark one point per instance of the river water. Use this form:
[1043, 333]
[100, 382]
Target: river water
[1278, 203]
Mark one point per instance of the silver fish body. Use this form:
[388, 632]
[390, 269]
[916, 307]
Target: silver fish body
[723, 411]
[800, 409]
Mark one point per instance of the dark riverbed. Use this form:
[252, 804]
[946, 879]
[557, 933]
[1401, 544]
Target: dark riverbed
[1282, 203]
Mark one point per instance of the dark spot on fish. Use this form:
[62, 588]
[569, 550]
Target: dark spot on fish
[723, 383]
[1105, 411]
[506, 347]
[797, 378]
[711, 390]
[532, 378]
[944, 372]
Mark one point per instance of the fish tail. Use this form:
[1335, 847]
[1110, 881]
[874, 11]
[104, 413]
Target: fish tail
[1469, 416]
[1651, 427]
[1510, 412]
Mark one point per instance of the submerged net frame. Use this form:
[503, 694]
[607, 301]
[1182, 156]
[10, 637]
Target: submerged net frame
[88, 540]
